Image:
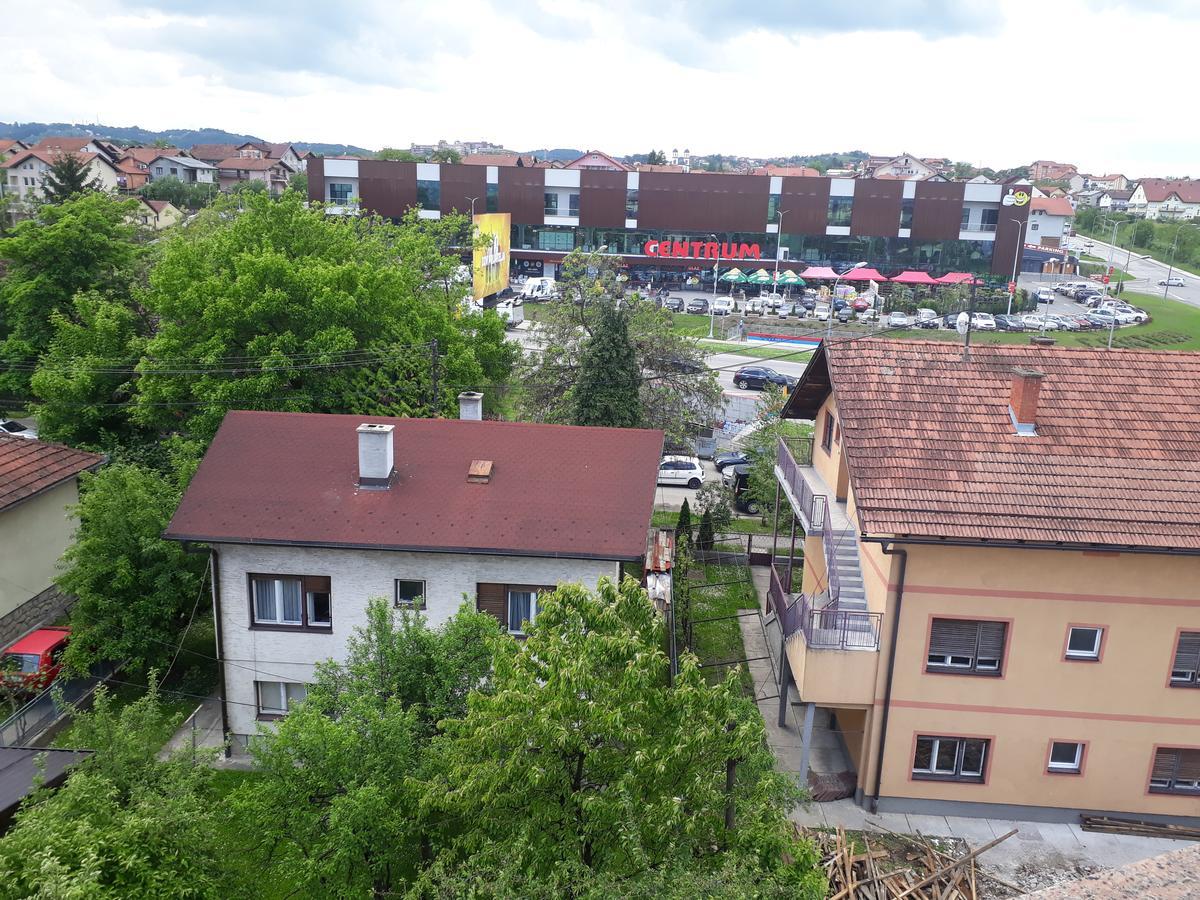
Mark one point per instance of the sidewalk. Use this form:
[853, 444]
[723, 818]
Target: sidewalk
[202, 730]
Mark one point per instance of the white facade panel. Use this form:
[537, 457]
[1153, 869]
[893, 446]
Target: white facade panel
[841, 187]
[341, 168]
[429, 214]
[568, 178]
[983, 193]
[841, 230]
[493, 174]
[910, 190]
[631, 224]
[776, 184]
[429, 172]
[562, 220]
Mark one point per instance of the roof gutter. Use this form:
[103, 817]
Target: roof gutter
[890, 550]
[1028, 545]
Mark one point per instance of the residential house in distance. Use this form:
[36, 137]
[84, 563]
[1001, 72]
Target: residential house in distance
[157, 214]
[1117, 201]
[10, 148]
[131, 174]
[274, 173]
[39, 483]
[427, 513]
[25, 173]
[905, 167]
[786, 171]
[519, 160]
[1159, 198]
[286, 153]
[55, 145]
[1046, 170]
[185, 168]
[1000, 602]
[596, 161]
[213, 153]
[1049, 220]
[1115, 182]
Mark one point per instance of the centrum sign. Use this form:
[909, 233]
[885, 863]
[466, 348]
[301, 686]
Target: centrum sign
[701, 250]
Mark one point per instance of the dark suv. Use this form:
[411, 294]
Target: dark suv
[758, 377]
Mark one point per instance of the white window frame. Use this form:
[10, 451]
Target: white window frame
[958, 773]
[419, 604]
[1094, 653]
[281, 692]
[310, 609]
[533, 609]
[277, 600]
[1073, 766]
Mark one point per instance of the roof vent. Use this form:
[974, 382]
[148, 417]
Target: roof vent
[470, 406]
[1023, 400]
[375, 456]
[480, 471]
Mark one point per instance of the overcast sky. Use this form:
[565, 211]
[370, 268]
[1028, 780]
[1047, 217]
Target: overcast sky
[1106, 84]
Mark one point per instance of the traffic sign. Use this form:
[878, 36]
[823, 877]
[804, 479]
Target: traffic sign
[1012, 287]
[1105, 279]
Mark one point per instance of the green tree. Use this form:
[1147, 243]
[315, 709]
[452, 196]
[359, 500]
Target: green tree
[683, 527]
[761, 446]
[249, 186]
[656, 158]
[446, 155]
[678, 391]
[85, 244]
[715, 500]
[182, 194]
[704, 535]
[298, 182]
[607, 388]
[68, 177]
[582, 760]
[398, 155]
[1143, 233]
[134, 589]
[285, 308]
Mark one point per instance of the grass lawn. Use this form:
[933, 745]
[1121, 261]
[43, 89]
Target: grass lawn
[1094, 265]
[721, 641]
[781, 350]
[666, 518]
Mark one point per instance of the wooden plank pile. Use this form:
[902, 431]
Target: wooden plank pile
[894, 866]
[1140, 828]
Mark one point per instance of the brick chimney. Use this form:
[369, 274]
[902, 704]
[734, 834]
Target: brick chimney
[470, 405]
[1023, 401]
[375, 456]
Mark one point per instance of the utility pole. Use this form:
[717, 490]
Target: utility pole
[1112, 246]
[716, 281]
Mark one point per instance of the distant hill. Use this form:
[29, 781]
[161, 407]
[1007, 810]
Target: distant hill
[563, 153]
[32, 132]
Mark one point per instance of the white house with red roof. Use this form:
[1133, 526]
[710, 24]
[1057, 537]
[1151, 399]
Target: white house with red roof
[24, 174]
[1049, 218]
[595, 159]
[1162, 198]
[310, 516]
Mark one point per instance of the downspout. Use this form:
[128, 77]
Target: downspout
[215, 573]
[889, 549]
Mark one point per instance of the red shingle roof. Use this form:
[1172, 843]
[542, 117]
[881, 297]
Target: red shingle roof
[556, 490]
[209, 152]
[250, 164]
[933, 451]
[27, 467]
[794, 171]
[1159, 189]
[1052, 206]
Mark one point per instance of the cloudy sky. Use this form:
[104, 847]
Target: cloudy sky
[1107, 84]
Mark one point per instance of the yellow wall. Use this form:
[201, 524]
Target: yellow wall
[33, 535]
[826, 462]
[832, 677]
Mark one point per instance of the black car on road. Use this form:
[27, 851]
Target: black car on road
[732, 458]
[758, 377]
[697, 305]
[674, 304]
[1009, 323]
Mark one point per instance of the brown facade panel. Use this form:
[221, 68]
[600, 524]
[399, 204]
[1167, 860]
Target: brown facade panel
[602, 198]
[805, 205]
[1009, 232]
[937, 210]
[703, 202]
[459, 184]
[522, 193]
[387, 187]
[316, 178]
[876, 209]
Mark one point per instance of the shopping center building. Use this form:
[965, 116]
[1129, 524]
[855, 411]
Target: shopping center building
[671, 227]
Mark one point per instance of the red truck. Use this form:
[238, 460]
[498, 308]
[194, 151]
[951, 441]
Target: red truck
[33, 662]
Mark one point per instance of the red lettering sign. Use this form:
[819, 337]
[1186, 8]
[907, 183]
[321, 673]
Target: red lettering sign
[701, 250]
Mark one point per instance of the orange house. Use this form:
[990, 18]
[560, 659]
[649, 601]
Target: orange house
[1000, 598]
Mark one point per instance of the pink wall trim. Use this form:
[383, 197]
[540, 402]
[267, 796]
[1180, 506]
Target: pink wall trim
[1047, 713]
[1046, 595]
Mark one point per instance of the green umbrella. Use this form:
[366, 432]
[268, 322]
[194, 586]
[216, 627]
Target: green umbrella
[734, 276]
[790, 278]
[762, 276]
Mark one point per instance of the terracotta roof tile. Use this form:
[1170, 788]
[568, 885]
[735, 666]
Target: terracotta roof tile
[933, 451]
[27, 467]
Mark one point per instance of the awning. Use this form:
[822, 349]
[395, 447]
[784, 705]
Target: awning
[816, 273]
[864, 274]
[957, 278]
[913, 277]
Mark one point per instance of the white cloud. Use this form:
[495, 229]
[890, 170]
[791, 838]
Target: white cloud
[995, 83]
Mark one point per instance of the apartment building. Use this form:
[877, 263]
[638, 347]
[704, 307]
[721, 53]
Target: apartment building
[1000, 598]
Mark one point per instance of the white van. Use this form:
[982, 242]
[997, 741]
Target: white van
[511, 312]
[925, 315]
[540, 289]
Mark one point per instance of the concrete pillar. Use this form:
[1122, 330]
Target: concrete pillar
[810, 710]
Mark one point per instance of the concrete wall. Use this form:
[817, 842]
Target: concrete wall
[356, 576]
[33, 535]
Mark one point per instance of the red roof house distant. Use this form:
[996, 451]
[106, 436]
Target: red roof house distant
[30, 467]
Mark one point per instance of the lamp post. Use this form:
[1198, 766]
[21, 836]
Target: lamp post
[1112, 246]
[1171, 264]
[1016, 258]
[829, 327]
[716, 281]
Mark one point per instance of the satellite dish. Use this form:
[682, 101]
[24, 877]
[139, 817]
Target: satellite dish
[962, 322]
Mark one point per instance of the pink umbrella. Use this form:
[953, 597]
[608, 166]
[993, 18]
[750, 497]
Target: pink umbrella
[863, 274]
[914, 277]
[817, 273]
[958, 278]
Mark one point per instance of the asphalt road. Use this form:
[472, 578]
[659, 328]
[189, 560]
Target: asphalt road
[1148, 272]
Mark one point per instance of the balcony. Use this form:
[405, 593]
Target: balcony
[806, 490]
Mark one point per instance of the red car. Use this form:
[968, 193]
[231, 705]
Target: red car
[33, 662]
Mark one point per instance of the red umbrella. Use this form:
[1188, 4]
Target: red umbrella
[817, 273]
[958, 278]
[914, 277]
[864, 274]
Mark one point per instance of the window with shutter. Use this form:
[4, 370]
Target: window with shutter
[491, 598]
[291, 601]
[966, 646]
[1175, 771]
[1185, 670]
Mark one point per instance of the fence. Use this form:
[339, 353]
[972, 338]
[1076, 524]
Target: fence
[739, 548]
[24, 726]
[811, 503]
[831, 567]
[823, 629]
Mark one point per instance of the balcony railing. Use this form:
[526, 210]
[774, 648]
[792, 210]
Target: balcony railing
[823, 629]
[789, 456]
[831, 568]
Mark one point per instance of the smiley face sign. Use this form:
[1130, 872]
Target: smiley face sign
[1015, 198]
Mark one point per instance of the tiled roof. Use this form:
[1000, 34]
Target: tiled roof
[149, 154]
[62, 144]
[658, 167]
[213, 151]
[1168, 876]
[796, 171]
[49, 157]
[250, 164]
[158, 205]
[1052, 206]
[933, 451]
[27, 467]
[1159, 189]
[555, 490]
[497, 159]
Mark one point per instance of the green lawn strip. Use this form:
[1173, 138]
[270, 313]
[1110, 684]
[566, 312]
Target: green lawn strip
[779, 350]
[721, 640]
[176, 707]
[1095, 265]
[667, 518]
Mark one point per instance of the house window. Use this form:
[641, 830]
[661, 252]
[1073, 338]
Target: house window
[827, 434]
[906, 212]
[550, 203]
[989, 219]
[292, 601]
[429, 193]
[340, 193]
[522, 608]
[966, 646]
[950, 758]
[1066, 757]
[573, 204]
[174, 171]
[839, 210]
[1083, 642]
[631, 204]
[1033, 226]
[1185, 670]
[1176, 771]
[276, 698]
[410, 594]
[158, 170]
[493, 198]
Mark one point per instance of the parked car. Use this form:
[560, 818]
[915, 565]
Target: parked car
[809, 303]
[697, 305]
[983, 322]
[674, 304]
[730, 458]
[861, 304]
[16, 429]
[1009, 323]
[754, 306]
[786, 308]
[950, 320]
[924, 314]
[1173, 281]
[840, 303]
[32, 663]
[681, 471]
[868, 315]
[738, 479]
[758, 377]
[1045, 295]
[928, 323]
[821, 311]
[1038, 323]
[897, 319]
[722, 306]
[1103, 318]
[1065, 323]
[845, 314]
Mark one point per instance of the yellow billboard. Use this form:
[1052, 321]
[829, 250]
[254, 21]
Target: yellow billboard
[489, 266]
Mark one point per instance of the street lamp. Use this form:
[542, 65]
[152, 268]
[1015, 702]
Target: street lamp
[712, 312]
[1171, 265]
[829, 327]
[1016, 257]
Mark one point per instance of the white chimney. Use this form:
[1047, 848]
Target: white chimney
[375, 455]
[470, 406]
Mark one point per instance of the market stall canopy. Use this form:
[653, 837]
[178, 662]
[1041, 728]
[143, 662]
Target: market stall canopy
[790, 278]
[734, 275]
[957, 278]
[762, 276]
[914, 277]
[816, 273]
[864, 274]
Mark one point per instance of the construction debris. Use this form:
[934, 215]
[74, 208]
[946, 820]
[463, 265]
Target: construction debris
[893, 866]
[1140, 828]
